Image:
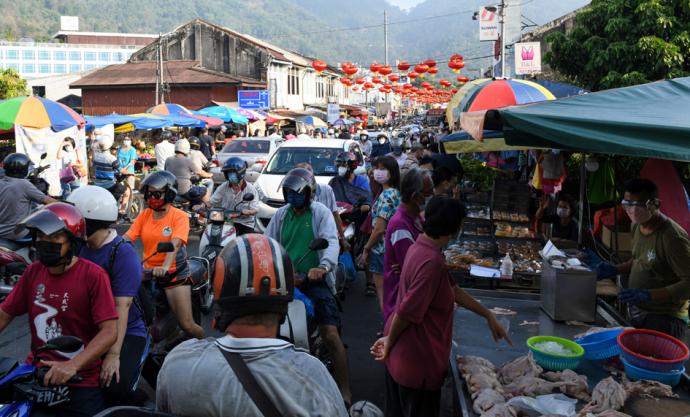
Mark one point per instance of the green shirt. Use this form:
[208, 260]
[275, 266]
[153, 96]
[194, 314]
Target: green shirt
[662, 260]
[296, 235]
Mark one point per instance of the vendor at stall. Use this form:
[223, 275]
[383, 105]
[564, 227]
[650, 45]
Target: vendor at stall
[659, 284]
[564, 226]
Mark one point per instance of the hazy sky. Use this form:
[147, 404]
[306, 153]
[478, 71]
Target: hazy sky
[405, 4]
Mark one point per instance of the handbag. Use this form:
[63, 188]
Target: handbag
[67, 175]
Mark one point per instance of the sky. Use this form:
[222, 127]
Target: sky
[405, 4]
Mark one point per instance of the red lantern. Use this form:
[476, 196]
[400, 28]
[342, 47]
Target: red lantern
[407, 86]
[345, 65]
[463, 79]
[360, 81]
[454, 90]
[432, 71]
[376, 80]
[426, 85]
[456, 65]
[412, 75]
[351, 70]
[368, 85]
[385, 70]
[421, 69]
[403, 66]
[375, 67]
[394, 78]
[430, 62]
[355, 88]
[319, 65]
[456, 57]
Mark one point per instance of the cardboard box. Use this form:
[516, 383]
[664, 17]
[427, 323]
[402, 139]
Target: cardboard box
[624, 238]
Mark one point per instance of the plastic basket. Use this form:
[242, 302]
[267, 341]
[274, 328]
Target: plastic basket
[554, 362]
[601, 345]
[652, 350]
[635, 373]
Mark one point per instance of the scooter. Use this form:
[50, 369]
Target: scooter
[195, 221]
[34, 176]
[218, 234]
[21, 386]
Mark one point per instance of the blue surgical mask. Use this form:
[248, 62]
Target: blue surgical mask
[397, 150]
[296, 200]
[233, 178]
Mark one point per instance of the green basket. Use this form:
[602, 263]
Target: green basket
[552, 361]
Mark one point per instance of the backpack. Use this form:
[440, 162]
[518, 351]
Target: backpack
[143, 300]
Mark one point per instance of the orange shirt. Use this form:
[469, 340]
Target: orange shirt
[152, 231]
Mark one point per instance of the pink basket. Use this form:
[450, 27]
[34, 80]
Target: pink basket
[649, 349]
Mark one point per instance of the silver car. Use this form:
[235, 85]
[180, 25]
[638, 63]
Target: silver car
[252, 150]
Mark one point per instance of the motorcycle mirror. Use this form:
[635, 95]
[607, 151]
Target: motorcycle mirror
[67, 344]
[165, 247]
[44, 155]
[318, 244]
[248, 197]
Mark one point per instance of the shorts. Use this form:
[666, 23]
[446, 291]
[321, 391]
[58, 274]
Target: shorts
[131, 181]
[325, 306]
[375, 263]
[195, 194]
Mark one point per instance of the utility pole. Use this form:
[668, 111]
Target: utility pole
[158, 71]
[385, 37]
[503, 39]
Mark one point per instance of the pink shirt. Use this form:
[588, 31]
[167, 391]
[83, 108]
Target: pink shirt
[419, 359]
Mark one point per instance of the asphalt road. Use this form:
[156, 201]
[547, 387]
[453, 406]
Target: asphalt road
[361, 321]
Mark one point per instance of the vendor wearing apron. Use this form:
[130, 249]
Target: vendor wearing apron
[659, 285]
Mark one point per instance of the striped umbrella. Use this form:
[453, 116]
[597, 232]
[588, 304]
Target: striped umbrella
[38, 113]
[227, 114]
[171, 109]
[495, 94]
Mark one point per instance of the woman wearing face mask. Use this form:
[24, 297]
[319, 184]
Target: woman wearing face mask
[230, 194]
[69, 157]
[387, 174]
[161, 222]
[65, 295]
[564, 227]
[127, 157]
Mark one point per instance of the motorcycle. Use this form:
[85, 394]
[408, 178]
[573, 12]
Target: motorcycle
[34, 176]
[218, 234]
[21, 386]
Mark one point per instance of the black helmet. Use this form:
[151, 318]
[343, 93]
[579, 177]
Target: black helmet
[162, 180]
[299, 180]
[235, 164]
[194, 143]
[166, 135]
[16, 165]
[253, 275]
[347, 159]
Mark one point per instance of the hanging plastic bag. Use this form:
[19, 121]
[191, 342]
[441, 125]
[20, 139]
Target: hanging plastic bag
[546, 404]
[536, 178]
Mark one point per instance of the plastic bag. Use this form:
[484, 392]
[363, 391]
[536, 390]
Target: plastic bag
[345, 261]
[545, 404]
[308, 305]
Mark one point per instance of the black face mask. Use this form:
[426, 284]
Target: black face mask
[49, 253]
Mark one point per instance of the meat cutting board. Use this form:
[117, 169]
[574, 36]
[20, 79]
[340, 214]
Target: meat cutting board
[667, 407]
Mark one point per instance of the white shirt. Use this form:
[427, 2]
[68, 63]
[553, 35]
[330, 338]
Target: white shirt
[225, 197]
[198, 158]
[163, 151]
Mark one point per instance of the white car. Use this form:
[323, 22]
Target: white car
[320, 153]
[252, 150]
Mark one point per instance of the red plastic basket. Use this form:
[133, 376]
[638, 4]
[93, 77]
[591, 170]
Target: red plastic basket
[649, 349]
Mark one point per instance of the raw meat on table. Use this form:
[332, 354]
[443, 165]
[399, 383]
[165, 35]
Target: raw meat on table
[474, 368]
[574, 385]
[530, 386]
[522, 366]
[478, 382]
[607, 395]
[469, 359]
[486, 399]
[648, 389]
[500, 410]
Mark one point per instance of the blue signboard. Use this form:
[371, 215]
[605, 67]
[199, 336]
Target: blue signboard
[254, 99]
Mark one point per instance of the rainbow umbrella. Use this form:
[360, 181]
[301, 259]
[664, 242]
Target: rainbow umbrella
[495, 94]
[227, 114]
[38, 113]
[171, 109]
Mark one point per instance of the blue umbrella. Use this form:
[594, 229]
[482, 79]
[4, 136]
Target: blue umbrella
[342, 122]
[224, 113]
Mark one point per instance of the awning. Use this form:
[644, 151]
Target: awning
[650, 120]
[462, 142]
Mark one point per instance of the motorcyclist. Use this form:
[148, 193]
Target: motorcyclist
[250, 321]
[106, 166]
[183, 168]
[161, 222]
[230, 194]
[200, 161]
[164, 149]
[295, 225]
[349, 187]
[64, 295]
[405, 163]
[23, 193]
[109, 251]
[364, 143]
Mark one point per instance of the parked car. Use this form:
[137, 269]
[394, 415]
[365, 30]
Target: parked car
[253, 150]
[320, 153]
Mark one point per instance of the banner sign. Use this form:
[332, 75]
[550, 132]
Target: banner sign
[488, 24]
[527, 58]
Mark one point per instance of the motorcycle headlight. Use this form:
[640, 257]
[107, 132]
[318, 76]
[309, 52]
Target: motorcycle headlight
[217, 216]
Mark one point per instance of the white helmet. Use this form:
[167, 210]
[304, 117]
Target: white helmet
[303, 136]
[105, 142]
[94, 203]
[182, 146]
[365, 409]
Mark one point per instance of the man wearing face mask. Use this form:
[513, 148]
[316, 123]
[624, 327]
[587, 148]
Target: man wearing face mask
[230, 194]
[294, 226]
[64, 295]
[364, 143]
[659, 283]
[564, 227]
[404, 161]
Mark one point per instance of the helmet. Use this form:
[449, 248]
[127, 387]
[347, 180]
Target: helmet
[253, 275]
[16, 165]
[300, 181]
[365, 409]
[166, 135]
[94, 203]
[105, 142]
[303, 136]
[194, 143]
[54, 218]
[235, 164]
[162, 180]
[182, 146]
[347, 159]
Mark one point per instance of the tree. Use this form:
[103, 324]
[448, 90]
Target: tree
[12, 84]
[617, 43]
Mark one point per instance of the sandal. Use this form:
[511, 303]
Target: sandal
[371, 290]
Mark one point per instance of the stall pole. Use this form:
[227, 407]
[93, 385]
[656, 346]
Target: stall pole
[583, 175]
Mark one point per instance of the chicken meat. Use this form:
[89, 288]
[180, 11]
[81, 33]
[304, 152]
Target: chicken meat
[648, 389]
[519, 367]
[530, 386]
[607, 395]
[612, 413]
[478, 382]
[500, 410]
[474, 368]
[574, 385]
[485, 399]
[478, 360]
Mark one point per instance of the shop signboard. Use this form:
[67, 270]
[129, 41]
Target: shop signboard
[254, 99]
[488, 24]
[333, 112]
[527, 58]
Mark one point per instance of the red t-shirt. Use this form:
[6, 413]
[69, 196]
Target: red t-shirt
[70, 304]
[419, 359]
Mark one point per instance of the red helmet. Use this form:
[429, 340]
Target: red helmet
[54, 218]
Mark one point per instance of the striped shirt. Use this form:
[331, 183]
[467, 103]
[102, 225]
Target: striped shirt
[105, 165]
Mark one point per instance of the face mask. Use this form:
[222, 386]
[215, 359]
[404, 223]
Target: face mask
[342, 171]
[382, 141]
[68, 148]
[397, 150]
[296, 200]
[381, 176]
[638, 214]
[563, 212]
[155, 203]
[233, 178]
[49, 253]
[127, 143]
[364, 138]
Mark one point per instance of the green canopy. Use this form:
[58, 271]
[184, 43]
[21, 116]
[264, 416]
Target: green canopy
[650, 120]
